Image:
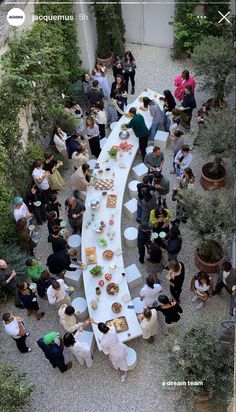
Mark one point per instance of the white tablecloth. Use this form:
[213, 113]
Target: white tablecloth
[89, 236]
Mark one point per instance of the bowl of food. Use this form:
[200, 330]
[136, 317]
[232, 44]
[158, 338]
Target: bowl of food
[95, 203]
[102, 242]
[124, 134]
[116, 307]
[112, 289]
[108, 254]
[99, 226]
[108, 276]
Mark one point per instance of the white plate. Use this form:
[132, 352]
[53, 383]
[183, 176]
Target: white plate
[162, 235]
[93, 201]
[96, 226]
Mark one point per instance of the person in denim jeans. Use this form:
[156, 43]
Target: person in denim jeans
[156, 113]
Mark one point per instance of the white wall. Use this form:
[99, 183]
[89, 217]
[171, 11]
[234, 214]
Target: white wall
[149, 23]
[86, 30]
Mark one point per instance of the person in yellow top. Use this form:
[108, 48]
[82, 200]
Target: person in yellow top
[160, 219]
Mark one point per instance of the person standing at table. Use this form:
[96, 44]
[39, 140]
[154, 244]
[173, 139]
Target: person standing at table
[79, 349]
[57, 293]
[75, 209]
[148, 324]
[156, 113]
[117, 351]
[154, 160]
[14, 326]
[140, 129]
[52, 347]
[129, 66]
[92, 134]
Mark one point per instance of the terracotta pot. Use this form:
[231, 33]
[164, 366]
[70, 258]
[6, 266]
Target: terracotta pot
[106, 62]
[205, 266]
[208, 183]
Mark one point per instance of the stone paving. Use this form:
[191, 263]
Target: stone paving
[99, 388]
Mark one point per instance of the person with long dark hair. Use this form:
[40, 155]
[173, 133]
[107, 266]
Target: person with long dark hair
[176, 276]
[59, 138]
[28, 297]
[170, 311]
[117, 67]
[35, 200]
[129, 68]
[92, 134]
[181, 82]
[169, 105]
[79, 349]
[112, 346]
[99, 74]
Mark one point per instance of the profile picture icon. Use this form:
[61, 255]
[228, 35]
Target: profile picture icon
[16, 17]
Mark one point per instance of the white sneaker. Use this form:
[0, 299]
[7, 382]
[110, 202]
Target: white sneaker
[194, 298]
[29, 350]
[123, 377]
[200, 305]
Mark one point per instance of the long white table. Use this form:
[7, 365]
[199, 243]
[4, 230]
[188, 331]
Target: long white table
[90, 237]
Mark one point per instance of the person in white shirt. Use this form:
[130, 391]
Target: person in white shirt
[59, 139]
[182, 159]
[14, 327]
[68, 319]
[57, 293]
[79, 349]
[78, 180]
[148, 323]
[80, 156]
[41, 178]
[101, 118]
[149, 293]
[116, 350]
[21, 210]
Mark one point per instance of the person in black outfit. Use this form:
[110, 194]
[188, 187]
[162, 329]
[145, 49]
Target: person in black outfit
[28, 297]
[52, 347]
[169, 105]
[173, 243]
[225, 278]
[117, 67]
[53, 221]
[53, 205]
[75, 209]
[145, 183]
[188, 103]
[57, 241]
[170, 310]
[120, 86]
[95, 94]
[144, 238]
[60, 262]
[44, 282]
[176, 276]
[35, 201]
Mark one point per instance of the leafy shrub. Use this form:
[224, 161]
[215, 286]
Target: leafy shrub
[14, 392]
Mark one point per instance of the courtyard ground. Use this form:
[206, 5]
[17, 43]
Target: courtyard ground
[99, 389]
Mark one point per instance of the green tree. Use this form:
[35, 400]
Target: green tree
[214, 62]
[14, 391]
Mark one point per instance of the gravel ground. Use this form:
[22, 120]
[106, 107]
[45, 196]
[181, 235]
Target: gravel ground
[99, 388]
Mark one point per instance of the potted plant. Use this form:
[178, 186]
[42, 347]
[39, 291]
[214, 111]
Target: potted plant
[205, 368]
[216, 138]
[110, 32]
[211, 218]
[214, 60]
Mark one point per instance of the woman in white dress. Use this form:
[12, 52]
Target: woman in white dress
[148, 323]
[79, 349]
[60, 143]
[116, 350]
[99, 74]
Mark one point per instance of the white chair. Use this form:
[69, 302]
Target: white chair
[131, 209]
[74, 241]
[80, 305]
[132, 359]
[92, 163]
[74, 278]
[149, 149]
[132, 186]
[161, 139]
[131, 236]
[86, 337]
[139, 171]
[138, 305]
[133, 276]
[113, 125]
[103, 142]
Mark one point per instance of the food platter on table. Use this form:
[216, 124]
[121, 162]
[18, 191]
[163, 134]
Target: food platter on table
[99, 226]
[111, 200]
[108, 254]
[104, 184]
[91, 255]
[112, 289]
[120, 324]
[94, 203]
[116, 307]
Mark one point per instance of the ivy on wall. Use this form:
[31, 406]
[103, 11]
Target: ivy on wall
[38, 69]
